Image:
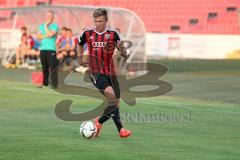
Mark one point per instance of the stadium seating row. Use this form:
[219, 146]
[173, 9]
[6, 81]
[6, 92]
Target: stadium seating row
[190, 16]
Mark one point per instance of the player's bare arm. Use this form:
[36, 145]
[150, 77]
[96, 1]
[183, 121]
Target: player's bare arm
[80, 54]
[81, 62]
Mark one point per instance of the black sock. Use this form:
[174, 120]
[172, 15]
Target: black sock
[104, 118]
[116, 118]
[107, 113]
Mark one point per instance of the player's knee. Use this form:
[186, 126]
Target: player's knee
[60, 56]
[109, 93]
[72, 53]
[64, 53]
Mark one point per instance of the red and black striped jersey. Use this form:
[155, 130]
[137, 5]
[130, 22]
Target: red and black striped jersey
[101, 48]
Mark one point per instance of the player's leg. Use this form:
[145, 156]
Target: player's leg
[53, 63]
[38, 53]
[64, 53]
[104, 84]
[111, 98]
[109, 94]
[60, 57]
[25, 54]
[72, 54]
[18, 56]
[112, 94]
[38, 56]
[112, 110]
[123, 133]
[45, 67]
[101, 83]
[63, 56]
[33, 59]
[34, 55]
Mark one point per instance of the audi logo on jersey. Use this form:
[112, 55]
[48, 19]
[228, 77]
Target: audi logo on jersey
[99, 44]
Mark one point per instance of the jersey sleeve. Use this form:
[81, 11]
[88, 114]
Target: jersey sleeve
[116, 37]
[82, 39]
[55, 28]
[118, 40]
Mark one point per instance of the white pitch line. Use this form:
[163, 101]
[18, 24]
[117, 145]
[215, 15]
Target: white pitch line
[149, 102]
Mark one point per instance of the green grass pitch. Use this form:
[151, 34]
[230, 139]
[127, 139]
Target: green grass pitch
[202, 119]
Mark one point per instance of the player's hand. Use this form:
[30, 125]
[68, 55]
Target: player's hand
[122, 50]
[125, 55]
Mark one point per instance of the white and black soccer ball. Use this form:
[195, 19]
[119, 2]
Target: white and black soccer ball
[88, 129]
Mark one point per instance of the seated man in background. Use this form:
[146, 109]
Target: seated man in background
[60, 38]
[23, 51]
[74, 42]
[25, 46]
[66, 45]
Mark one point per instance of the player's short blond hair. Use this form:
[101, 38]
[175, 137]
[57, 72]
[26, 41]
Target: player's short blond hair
[100, 12]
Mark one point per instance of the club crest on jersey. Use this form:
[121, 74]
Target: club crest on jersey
[107, 36]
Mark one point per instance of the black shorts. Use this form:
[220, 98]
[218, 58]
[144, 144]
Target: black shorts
[102, 81]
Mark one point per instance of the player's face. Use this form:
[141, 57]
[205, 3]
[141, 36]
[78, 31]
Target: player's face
[64, 33]
[69, 33]
[49, 16]
[100, 23]
[24, 31]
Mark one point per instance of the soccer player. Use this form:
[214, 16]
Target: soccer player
[101, 42]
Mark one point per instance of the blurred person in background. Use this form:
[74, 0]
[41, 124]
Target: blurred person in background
[23, 50]
[67, 46]
[47, 34]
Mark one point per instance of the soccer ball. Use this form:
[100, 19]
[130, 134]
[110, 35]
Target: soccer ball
[88, 129]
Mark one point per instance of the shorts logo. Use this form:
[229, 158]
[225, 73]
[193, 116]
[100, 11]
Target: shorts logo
[99, 44]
